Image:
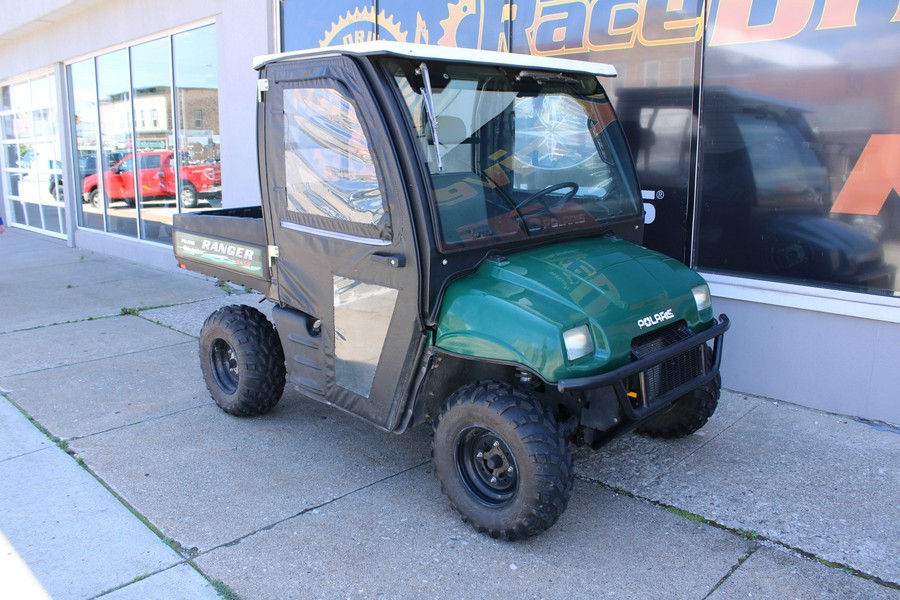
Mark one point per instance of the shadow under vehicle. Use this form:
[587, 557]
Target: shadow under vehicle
[452, 237]
[764, 191]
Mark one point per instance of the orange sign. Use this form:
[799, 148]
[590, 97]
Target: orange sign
[873, 178]
[576, 26]
[788, 19]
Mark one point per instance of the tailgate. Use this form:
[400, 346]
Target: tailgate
[228, 243]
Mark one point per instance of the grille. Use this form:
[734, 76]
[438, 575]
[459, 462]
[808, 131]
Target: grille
[670, 374]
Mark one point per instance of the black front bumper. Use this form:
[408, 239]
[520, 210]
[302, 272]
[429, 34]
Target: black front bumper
[616, 379]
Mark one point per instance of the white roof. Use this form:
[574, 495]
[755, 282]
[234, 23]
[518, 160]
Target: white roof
[459, 55]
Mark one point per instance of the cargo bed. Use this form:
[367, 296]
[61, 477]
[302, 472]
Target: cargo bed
[226, 243]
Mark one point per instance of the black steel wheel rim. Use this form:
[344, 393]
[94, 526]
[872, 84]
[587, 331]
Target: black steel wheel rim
[224, 365]
[486, 466]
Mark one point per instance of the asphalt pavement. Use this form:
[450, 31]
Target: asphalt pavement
[121, 479]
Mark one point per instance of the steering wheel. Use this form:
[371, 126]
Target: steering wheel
[549, 190]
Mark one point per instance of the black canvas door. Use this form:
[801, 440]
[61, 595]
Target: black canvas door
[341, 223]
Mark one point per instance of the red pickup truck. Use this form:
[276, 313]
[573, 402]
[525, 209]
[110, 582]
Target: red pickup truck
[156, 176]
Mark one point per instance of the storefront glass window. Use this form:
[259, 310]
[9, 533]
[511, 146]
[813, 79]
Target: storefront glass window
[157, 143]
[117, 200]
[83, 82]
[793, 178]
[151, 67]
[31, 157]
[197, 89]
[800, 138]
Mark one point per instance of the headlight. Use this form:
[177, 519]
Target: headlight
[702, 298]
[578, 342]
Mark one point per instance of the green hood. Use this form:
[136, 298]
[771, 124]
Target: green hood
[516, 310]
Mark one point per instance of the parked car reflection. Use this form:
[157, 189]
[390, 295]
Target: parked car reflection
[156, 179]
[87, 165]
[764, 188]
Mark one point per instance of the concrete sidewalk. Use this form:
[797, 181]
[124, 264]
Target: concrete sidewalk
[120, 478]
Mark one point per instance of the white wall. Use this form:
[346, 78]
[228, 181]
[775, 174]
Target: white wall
[836, 363]
[245, 30]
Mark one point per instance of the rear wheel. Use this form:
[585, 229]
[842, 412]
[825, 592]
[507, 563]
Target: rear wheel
[689, 413]
[501, 460]
[94, 198]
[56, 189]
[242, 360]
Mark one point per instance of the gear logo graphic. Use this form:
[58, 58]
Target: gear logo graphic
[456, 13]
[359, 26]
[467, 25]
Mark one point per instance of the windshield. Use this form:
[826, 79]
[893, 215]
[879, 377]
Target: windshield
[515, 154]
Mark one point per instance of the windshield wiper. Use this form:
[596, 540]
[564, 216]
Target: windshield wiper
[429, 109]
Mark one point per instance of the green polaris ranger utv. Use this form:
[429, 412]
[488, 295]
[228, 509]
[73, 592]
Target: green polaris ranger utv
[453, 236]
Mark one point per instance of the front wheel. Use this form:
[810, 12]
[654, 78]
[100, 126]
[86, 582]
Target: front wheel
[501, 460]
[690, 412]
[242, 360]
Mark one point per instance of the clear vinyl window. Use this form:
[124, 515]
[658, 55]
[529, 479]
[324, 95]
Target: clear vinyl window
[362, 316]
[329, 167]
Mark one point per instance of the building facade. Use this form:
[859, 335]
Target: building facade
[766, 135]
[115, 116]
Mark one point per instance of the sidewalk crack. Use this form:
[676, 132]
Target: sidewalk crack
[684, 458]
[202, 404]
[271, 526]
[715, 437]
[142, 577]
[93, 360]
[733, 569]
[24, 454]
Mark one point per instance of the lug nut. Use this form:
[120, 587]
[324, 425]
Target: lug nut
[493, 480]
[496, 444]
[510, 469]
[480, 454]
